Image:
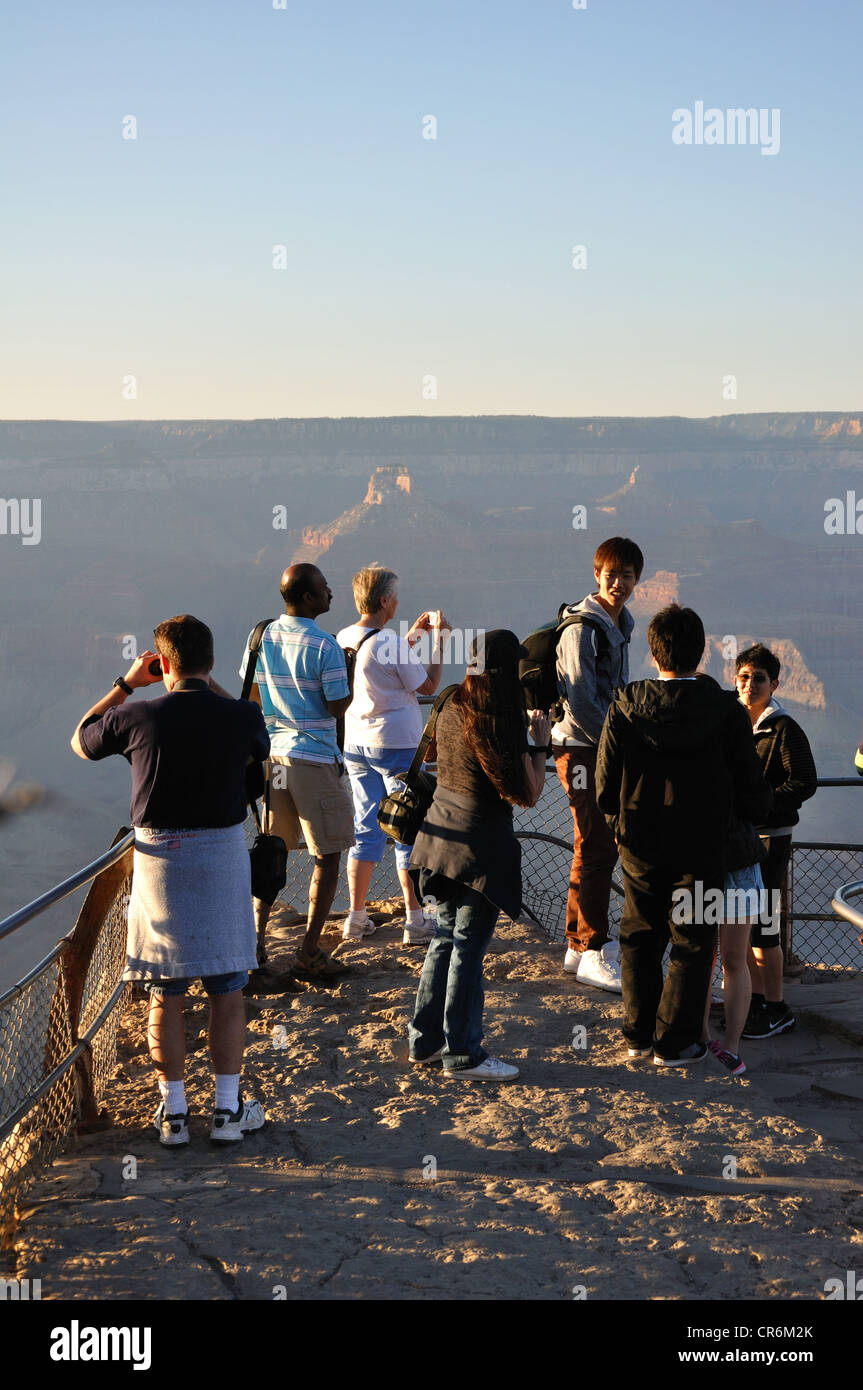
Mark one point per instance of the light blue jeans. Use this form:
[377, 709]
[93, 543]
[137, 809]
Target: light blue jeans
[373, 775]
[450, 998]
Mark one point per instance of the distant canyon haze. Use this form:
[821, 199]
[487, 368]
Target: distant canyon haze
[492, 519]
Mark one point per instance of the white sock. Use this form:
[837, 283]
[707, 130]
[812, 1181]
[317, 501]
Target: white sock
[357, 918]
[174, 1096]
[228, 1092]
[415, 917]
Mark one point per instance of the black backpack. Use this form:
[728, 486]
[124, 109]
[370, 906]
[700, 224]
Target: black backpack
[538, 670]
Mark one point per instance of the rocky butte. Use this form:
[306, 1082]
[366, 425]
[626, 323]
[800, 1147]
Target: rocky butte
[388, 503]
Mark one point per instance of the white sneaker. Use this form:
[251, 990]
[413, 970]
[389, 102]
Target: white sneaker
[229, 1129]
[571, 961]
[601, 968]
[355, 931]
[492, 1069]
[173, 1129]
[419, 935]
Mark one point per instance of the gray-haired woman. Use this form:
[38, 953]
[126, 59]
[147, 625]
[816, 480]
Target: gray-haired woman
[383, 726]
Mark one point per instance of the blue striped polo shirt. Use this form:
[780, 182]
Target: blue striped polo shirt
[299, 667]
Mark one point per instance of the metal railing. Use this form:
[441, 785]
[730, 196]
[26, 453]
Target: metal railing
[58, 1026]
[843, 908]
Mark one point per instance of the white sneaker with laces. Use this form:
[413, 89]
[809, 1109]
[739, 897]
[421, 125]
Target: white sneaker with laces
[571, 961]
[173, 1129]
[601, 968]
[355, 931]
[492, 1069]
[419, 935]
[229, 1129]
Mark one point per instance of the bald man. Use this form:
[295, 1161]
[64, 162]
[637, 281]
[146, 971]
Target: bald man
[302, 688]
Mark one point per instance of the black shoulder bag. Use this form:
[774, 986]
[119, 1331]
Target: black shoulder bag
[402, 812]
[269, 854]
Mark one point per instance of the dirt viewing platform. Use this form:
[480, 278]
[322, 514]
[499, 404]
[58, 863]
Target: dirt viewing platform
[588, 1177]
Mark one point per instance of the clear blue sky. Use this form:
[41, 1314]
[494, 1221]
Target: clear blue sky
[409, 258]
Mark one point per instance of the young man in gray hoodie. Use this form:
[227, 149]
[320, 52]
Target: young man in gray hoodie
[592, 664]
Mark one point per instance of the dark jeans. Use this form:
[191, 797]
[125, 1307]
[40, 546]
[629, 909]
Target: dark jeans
[594, 853]
[450, 998]
[669, 1016]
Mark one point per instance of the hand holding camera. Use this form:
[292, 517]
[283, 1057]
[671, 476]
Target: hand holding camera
[539, 727]
[433, 620]
[145, 670]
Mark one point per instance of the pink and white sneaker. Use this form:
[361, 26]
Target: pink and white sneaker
[732, 1060]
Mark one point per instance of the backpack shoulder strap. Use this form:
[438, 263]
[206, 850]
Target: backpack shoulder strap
[585, 620]
[254, 648]
[428, 735]
[372, 632]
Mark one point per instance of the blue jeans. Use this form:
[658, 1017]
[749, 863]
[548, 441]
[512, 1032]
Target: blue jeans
[448, 1011]
[373, 776]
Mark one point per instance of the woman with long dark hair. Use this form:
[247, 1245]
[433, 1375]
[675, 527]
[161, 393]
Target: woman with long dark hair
[466, 857]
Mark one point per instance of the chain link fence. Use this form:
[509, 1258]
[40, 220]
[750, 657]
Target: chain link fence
[34, 1037]
[815, 934]
[104, 975]
[58, 1030]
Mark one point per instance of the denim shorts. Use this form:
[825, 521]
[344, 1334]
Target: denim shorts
[213, 984]
[746, 881]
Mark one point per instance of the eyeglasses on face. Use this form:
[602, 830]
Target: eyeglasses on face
[756, 676]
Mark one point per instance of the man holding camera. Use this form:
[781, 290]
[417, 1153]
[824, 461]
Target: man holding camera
[190, 913]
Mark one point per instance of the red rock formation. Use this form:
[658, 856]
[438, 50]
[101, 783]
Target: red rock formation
[384, 483]
[798, 683]
[389, 486]
[657, 592]
[318, 540]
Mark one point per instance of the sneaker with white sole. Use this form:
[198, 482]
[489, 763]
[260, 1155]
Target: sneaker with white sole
[601, 968]
[492, 1069]
[419, 935]
[173, 1129]
[571, 961]
[632, 1051]
[355, 931]
[426, 1061]
[695, 1053]
[229, 1129]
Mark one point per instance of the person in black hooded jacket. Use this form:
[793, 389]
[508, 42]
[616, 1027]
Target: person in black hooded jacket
[676, 761]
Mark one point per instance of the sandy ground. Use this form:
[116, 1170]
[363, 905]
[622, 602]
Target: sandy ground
[590, 1176]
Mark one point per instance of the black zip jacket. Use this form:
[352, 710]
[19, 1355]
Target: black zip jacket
[676, 762]
[788, 767]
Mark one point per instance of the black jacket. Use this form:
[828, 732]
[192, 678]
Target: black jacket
[787, 764]
[676, 763]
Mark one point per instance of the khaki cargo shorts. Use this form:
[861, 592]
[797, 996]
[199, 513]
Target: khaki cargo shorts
[314, 798]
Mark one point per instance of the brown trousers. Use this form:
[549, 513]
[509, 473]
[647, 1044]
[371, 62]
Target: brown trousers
[594, 853]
